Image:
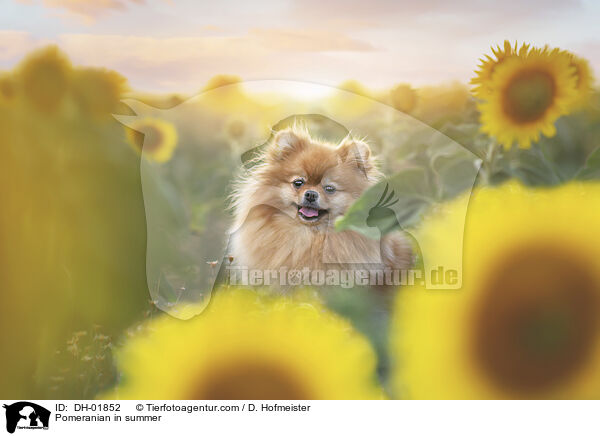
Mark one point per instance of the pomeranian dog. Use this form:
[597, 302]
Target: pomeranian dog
[286, 206]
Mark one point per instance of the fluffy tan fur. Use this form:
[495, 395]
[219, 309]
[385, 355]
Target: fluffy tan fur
[269, 232]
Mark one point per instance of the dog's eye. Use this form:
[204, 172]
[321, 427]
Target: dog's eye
[298, 183]
[330, 189]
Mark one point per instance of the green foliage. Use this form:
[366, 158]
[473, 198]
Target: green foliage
[436, 168]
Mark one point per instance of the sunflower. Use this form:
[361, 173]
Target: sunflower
[528, 93]
[584, 80]
[225, 94]
[236, 129]
[7, 87]
[154, 138]
[221, 80]
[352, 100]
[45, 78]
[355, 87]
[98, 91]
[246, 346]
[526, 323]
[487, 66]
[403, 98]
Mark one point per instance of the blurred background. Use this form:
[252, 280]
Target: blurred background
[73, 215]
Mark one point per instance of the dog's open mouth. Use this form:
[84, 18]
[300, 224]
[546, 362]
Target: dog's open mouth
[310, 214]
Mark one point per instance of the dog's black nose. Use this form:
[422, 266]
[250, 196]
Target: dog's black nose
[311, 196]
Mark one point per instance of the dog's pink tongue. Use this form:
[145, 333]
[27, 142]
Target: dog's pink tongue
[309, 212]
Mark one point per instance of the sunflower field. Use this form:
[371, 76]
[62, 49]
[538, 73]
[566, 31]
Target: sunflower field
[115, 215]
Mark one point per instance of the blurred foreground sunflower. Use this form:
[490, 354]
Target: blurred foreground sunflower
[526, 323]
[98, 91]
[526, 94]
[7, 87]
[154, 138]
[45, 77]
[244, 346]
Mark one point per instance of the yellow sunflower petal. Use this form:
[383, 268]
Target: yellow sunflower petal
[245, 346]
[526, 323]
[584, 81]
[486, 68]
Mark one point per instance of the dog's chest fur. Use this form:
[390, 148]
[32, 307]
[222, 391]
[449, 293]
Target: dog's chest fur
[280, 241]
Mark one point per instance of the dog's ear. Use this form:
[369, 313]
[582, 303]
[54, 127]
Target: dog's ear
[356, 152]
[286, 142]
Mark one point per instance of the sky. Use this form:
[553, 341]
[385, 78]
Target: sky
[177, 45]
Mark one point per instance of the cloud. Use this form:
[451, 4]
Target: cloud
[150, 51]
[185, 63]
[378, 43]
[14, 44]
[308, 40]
[476, 15]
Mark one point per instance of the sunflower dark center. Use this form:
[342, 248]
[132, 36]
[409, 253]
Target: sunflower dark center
[528, 96]
[251, 381]
[537, 322]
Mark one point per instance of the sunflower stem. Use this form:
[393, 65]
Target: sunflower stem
[489, 161]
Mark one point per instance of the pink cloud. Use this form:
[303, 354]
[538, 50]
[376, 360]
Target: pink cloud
[86, 10]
